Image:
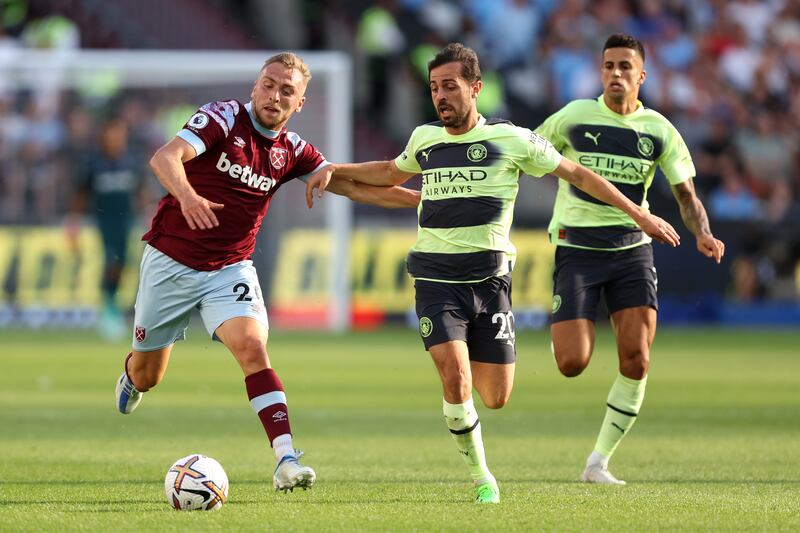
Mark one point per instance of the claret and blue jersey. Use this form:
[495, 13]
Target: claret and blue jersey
[240, 164]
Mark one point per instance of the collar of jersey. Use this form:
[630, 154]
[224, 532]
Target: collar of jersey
[272, 134]
[481, 122]
[605, 108]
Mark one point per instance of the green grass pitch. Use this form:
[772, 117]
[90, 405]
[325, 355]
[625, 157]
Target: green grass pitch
[716, 447]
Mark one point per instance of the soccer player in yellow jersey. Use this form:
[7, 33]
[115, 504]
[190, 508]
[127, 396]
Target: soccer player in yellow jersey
[599, 249]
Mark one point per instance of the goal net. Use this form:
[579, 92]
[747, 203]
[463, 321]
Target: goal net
[49, 279]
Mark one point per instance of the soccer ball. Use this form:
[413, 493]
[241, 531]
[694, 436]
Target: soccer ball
[196, 482]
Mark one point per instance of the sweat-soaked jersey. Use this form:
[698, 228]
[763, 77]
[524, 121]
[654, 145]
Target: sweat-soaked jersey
[239, 164]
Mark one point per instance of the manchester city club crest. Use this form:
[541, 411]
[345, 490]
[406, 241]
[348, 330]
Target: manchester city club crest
[278, 156]
[425, 326]
[645, 146]
[476, 152]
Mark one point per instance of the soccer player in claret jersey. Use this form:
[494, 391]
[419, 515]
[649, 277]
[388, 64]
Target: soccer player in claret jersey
[462, 260]
[600, 250]
[221, 171]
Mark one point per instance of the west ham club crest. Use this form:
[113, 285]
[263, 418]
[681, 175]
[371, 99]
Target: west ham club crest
[277, 156]
[140, 333]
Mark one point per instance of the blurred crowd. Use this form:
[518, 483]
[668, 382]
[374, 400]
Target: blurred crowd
[51, 138]
[726, 73]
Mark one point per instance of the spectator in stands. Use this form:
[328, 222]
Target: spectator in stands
[732, 200]
[746, 286]
[755, 16]
[12, 128]
[715, 147]
[740, 60]
[42, 134]
[510, 33]
[767, 150]
[379, 38]
[572, 70]
[60, 36]
[675, 50]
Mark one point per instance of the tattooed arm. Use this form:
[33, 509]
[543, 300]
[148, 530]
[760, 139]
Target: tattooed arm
[696, 220]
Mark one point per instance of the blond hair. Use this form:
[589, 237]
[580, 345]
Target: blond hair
[290, 60]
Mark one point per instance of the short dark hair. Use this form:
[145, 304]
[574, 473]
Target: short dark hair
[622, 40]
[457, 52]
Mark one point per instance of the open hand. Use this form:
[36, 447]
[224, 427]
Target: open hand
[660, 230]
[199, 212]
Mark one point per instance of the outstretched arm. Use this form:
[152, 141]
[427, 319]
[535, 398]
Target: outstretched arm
[382, 173]
[369, 194]
[379, 173]
[593, 184]
[696, 220]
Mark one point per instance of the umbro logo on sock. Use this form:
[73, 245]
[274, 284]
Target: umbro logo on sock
[279, 416]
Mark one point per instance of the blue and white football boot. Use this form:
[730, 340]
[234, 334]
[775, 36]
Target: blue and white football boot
[290, 474]
[128, 397]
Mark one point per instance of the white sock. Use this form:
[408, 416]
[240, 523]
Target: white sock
[282, 445]
[462, 421]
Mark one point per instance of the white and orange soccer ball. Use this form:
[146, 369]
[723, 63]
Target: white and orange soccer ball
[196, 483]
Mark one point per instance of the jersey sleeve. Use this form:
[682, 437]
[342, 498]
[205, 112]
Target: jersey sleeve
[552, 129]
[539, 156]
[210, 124]
[407, 160]
[308, 159]
[676, 161]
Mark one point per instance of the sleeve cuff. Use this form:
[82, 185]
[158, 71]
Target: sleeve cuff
[193, 139]
[304, 177]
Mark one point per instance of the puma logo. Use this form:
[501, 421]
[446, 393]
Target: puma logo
[592, 137]
[426, 153]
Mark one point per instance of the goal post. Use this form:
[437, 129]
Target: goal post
[197, 77]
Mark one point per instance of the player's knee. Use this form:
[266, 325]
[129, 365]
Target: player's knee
[495, 401]
[635, 365]
[456, 382]
[250, 352]
[570, 369]
[250, 347]
[571, 365]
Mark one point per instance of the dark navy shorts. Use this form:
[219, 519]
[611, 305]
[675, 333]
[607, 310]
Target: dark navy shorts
[625, 278]
[476, 313]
